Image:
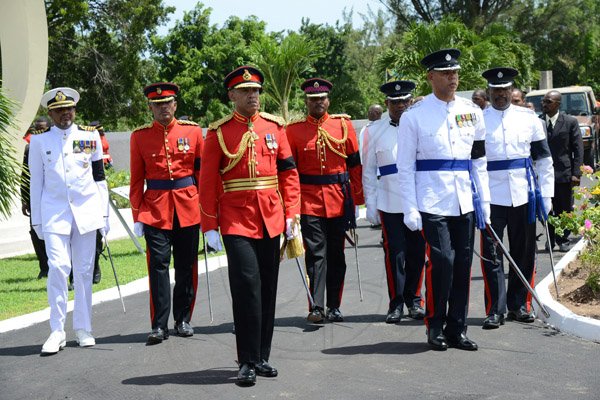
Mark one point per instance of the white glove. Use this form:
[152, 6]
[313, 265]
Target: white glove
[413, 221]
[138, 229]
[213, 239]
[547, 204]
[485, 206]
[104, 230]
[291, 229]
[373, 216]
[38, 231]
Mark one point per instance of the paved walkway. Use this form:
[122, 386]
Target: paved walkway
[360, 358]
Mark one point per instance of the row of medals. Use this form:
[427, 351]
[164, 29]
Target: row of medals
[88, 147]
[183, 144]
[463, 120]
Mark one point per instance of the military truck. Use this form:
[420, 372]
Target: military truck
[580, 102]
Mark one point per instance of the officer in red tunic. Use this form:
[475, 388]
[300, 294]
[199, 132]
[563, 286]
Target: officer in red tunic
[166, 154]
[326, 152]
[251, 192]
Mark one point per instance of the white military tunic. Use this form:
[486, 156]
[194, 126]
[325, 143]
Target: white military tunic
[433, 129]
[509, 136]
[63, 190]
[379, 150]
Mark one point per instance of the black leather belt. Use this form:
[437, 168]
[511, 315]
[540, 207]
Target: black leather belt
[342, 177]
[167, 184]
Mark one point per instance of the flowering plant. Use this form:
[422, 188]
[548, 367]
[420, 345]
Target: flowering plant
[585, 221]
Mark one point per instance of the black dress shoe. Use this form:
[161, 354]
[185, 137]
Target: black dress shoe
[521, 316]
[263, 368]
[461, 342]
[563, 247]
[246, 375]
[436, 339]
[493, 321]
[42, 274]
[394, 316]
[157, 336]
[315, 316]
[416, 312]
[335, 315]
[184, 329]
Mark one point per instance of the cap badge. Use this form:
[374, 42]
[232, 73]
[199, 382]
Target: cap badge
[500, 74]
[448, 57]
[316, 84]
[398, 87]
[60, 96]
[246, 75]
[158, 91]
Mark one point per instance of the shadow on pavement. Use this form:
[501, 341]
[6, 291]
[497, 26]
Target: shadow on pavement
[212, 376]
[381, 348]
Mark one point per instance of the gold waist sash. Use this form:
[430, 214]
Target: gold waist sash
[264, 182]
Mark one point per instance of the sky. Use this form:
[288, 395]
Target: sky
[278, 14]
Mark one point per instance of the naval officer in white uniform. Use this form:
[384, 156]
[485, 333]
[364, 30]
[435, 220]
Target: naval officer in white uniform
[69, 203]
[514, 141]
[404, 249]
[444, 191]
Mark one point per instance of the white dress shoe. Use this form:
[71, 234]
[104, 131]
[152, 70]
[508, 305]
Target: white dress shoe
[56, 342]
[85, 339]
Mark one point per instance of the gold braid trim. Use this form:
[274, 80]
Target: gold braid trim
[325, 137]
[205, 213]
[247, 143]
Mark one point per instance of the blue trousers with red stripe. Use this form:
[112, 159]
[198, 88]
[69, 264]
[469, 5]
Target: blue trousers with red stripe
[521, 240]
[449, 247]
[404, 261]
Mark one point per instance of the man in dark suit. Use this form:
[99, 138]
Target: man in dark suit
[566, 146]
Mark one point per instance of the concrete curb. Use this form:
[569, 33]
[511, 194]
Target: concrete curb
[562, 318]
[137, 286]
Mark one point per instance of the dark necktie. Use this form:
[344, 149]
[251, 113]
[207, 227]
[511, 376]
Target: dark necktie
[550, 128]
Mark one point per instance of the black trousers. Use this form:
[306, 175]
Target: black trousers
[404, 261]
[521, 240]
[449, 245]
[40, 250]
[325, 260]
[183, 243]
[253, 273]
[562, 201]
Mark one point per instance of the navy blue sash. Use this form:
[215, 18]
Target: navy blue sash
[535, 204]
[457, 165]
[388, 170]
[167, 184]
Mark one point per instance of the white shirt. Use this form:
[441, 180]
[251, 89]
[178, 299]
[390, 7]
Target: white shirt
[63, 189]
[435, 129]
[379, 149]
[509, 136]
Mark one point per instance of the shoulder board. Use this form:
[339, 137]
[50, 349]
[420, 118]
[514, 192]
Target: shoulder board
[524, 110]
[39, 131]
[296, 120]
[468, 102]
[415, 105]
[273, 118]
[346, 116]
[214, 125]
[145, 126]
[186, 122]
[86, 128]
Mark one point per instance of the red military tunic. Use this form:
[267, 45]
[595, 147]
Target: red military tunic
[170, 153]
[314, 158]
[243, 212]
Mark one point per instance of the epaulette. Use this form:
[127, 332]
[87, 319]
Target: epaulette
[415, 105]
[86, 128]
[145, 126]
[39, 131]
[214, 125]
[346, 116]
[296, 120]
[186, 122]
[525, 110]
[270, 117]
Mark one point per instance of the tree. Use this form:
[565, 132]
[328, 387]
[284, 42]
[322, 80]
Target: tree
[282, 63]
[494, 47]
[97, 47]
[9, 166]
[474, 14]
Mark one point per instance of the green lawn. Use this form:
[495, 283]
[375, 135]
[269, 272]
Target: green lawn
[21, 292]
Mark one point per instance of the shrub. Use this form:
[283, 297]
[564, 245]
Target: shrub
[116, 179]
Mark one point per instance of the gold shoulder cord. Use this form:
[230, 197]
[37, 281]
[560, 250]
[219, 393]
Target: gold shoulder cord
[247, 143]
[325, 137]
